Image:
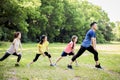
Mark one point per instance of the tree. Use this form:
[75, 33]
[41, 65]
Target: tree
[116, 31]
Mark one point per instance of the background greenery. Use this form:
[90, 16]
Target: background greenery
[58, 19]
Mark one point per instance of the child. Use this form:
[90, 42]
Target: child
[69, 50]
[42, 50]
[13, 50]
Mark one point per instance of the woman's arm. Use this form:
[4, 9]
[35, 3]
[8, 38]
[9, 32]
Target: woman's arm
[14, 42]
[20, 46]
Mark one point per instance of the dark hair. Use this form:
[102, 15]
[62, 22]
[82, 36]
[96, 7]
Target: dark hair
[16, 34]
[73, 37]
[42, 39]
[93, 24]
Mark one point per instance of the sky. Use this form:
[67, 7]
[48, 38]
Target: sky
[112, 7]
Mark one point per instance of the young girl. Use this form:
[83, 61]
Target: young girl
[13, 49]
[42, 49]
[69, 50]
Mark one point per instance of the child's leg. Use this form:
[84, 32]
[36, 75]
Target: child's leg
[62, 55]
[19, 57]
[49, 56]
[5, 56]
[58, 59]
[36, 58]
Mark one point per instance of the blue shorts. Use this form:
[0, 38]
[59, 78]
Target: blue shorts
[65, 54]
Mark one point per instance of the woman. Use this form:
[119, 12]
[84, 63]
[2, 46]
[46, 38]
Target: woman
[14, 48]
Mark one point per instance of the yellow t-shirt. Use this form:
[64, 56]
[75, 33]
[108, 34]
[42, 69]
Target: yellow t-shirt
[42, 47]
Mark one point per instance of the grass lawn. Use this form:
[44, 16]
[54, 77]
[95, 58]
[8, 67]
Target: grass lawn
[109, 56]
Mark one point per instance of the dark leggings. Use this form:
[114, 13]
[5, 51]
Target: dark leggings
[7, 54]
[37, 56]
[82, 50]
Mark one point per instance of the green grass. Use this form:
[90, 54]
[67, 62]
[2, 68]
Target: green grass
[109, 57]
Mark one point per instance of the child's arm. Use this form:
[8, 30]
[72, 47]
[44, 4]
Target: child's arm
[73, 50]
[47, 48]
[73, 47]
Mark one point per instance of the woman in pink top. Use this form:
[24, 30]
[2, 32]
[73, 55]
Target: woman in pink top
[69, 50]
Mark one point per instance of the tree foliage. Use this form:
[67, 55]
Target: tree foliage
[58, 19]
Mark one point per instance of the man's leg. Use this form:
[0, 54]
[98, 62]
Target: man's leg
[72, 54]
[79, 53]
[95, 53]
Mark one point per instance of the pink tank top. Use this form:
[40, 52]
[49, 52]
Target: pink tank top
[69, 47]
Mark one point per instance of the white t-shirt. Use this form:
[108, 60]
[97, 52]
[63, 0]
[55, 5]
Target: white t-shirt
[15, 45]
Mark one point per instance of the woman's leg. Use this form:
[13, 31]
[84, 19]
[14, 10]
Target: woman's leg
[19, 57]
[5, 56]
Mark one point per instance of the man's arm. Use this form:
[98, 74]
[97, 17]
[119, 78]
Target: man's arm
[94, 43]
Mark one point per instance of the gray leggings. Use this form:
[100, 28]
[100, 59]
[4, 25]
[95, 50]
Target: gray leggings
[7, 54]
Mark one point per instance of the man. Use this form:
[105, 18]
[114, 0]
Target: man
[89, 43]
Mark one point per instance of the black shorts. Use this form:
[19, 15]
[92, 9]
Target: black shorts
[65, 54]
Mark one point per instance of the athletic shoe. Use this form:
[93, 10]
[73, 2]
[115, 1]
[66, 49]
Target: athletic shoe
[69, 67]
[98, 66]
[16, 65]
[54, 65]
[51, 65]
